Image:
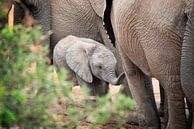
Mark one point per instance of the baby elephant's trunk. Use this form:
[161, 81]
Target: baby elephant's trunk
[118, 80]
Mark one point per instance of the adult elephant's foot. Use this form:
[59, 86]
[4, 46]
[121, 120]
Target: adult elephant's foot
[171, 125]
[176, 105]
[148, 119]
[161, 111]
[177, 118]
[133, 118]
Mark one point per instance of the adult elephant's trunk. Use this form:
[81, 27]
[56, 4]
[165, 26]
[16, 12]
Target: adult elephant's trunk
[187, 59]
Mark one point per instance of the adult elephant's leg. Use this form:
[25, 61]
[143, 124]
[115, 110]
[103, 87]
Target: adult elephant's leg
[19, 13]
[175, 97]
[162, 99]
[148, 118]
[125, 90]
[149, 87]
[43, 16]
[190, 116]
[40, 10]
[163, 109]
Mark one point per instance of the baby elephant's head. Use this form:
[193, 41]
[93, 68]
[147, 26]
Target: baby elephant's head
[103, 64]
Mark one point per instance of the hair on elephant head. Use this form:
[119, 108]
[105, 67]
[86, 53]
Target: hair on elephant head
[87, 58]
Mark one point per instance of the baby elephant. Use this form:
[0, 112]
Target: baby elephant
[92, 63]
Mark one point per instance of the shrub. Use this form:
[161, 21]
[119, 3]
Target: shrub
[27, 86]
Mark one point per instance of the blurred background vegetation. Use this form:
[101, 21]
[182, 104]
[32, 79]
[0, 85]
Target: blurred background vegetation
[4, 8]
[33, 96]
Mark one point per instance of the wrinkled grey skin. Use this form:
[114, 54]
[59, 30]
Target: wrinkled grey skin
[39, 9]
[88, 60]
[70, 17]
[149, 35]
[187, 63]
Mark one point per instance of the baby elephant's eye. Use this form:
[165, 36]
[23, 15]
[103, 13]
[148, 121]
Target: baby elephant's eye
[100, 66]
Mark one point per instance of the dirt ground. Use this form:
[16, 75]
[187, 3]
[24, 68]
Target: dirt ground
[113, 90]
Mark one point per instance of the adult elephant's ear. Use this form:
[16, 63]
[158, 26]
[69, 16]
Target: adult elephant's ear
[99, 6]
[77, 59]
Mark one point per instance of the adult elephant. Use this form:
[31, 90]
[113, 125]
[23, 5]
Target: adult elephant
[69, 17]
[149, 35]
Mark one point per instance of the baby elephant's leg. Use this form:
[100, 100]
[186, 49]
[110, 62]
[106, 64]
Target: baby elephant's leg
[100, 87]
[71, 76]
[96, 88]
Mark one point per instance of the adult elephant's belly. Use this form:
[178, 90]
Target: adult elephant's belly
[150, 33]
[161, 36]
[161, 48]
[73, 17]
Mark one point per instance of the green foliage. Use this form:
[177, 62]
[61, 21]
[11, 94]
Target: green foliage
[3, 12]
[107, 108]
[27, 86]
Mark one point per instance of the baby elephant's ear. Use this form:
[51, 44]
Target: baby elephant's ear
[77, 60]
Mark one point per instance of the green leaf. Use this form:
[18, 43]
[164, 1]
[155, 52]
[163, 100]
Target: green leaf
[7, 33]
[2, 92]
[102, 117]
[9, 116]
[71, 110]
[19, 96]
